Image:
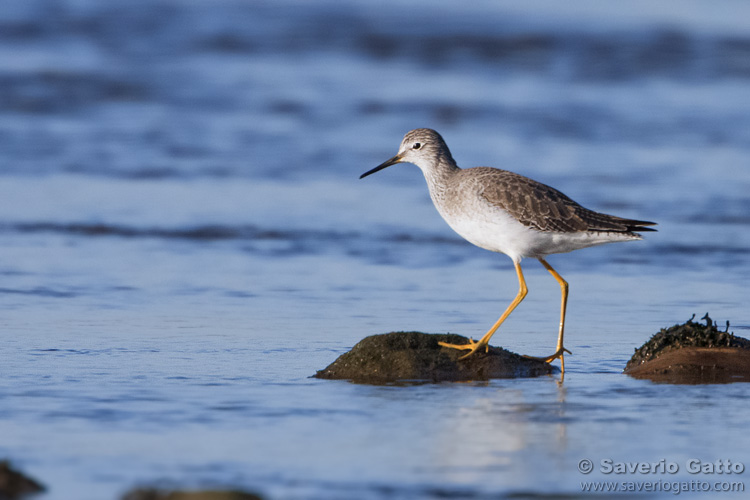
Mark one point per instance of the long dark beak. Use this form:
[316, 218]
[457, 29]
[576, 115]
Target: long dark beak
[388, 163]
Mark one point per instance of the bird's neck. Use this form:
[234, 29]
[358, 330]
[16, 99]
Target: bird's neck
[438, 175]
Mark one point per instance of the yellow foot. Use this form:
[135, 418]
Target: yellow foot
[472, 347]
[549, 359]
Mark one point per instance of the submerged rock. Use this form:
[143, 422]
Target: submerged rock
[14, 484]
[157, 494]
[415, 356]
[692, 353]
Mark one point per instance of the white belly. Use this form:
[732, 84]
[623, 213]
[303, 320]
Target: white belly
[495, 230]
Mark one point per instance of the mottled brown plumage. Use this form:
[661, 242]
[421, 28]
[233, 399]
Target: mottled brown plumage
[543, 207]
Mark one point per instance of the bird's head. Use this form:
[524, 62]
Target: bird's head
[423, 147]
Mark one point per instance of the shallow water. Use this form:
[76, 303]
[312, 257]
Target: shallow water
[185, 241]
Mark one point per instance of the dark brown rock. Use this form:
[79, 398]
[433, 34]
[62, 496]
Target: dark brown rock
[157, 494]
[14, 484]
[692, 353]
[415, 356]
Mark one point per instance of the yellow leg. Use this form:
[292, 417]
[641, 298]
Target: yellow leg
[563, 304]
[472, 346]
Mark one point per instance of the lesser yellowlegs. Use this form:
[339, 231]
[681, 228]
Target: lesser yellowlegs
[505, 212]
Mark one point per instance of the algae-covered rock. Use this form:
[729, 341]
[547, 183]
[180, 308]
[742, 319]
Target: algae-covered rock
[15, 484]
[692, 353]
[416, 356]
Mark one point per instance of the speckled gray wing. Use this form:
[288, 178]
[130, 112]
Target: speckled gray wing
[544, 208]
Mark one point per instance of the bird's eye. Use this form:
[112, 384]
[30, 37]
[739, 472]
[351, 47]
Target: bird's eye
[417, 145]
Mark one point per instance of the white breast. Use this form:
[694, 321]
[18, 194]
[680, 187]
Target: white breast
[493, 230]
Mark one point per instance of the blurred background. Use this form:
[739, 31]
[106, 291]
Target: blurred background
[185, 240]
